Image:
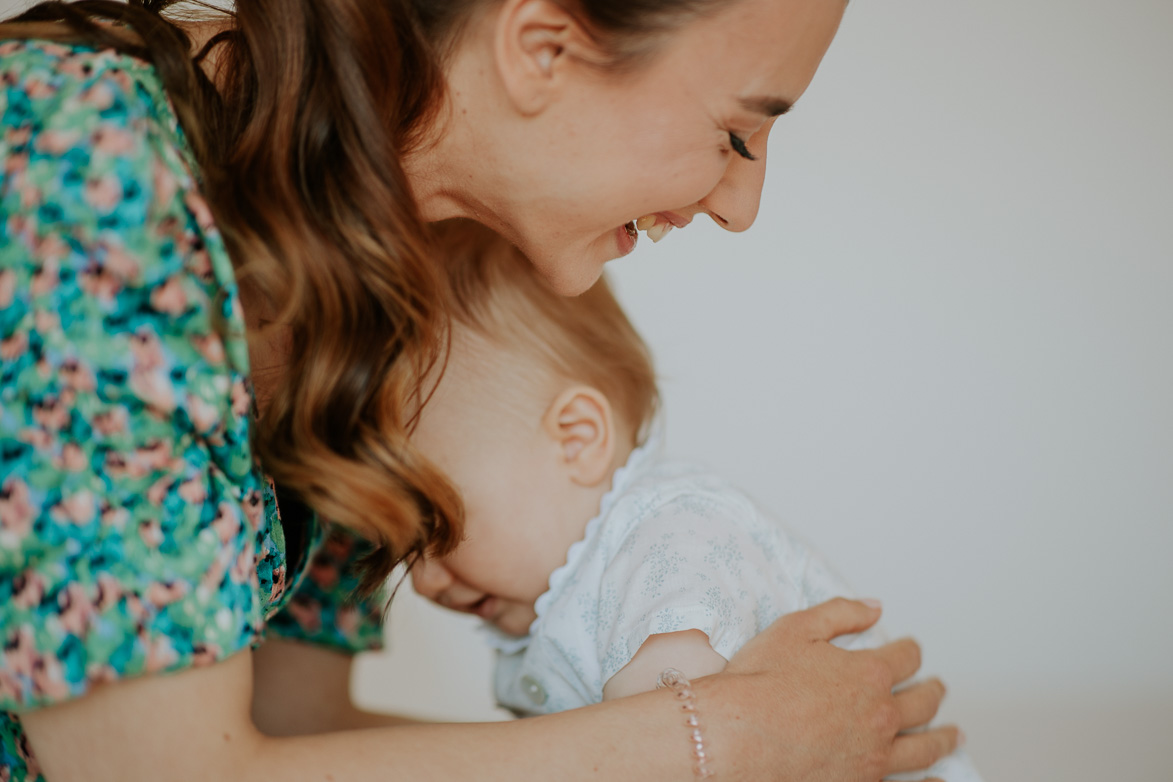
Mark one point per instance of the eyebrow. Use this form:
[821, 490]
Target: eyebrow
[771, 107]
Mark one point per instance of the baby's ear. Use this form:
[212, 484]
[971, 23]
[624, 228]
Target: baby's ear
[581, 424]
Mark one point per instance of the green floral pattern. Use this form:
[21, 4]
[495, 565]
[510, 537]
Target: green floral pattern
[137, 533]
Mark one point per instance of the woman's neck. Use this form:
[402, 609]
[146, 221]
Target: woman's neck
[462, 167]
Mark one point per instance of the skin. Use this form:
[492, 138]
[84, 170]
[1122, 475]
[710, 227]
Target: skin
[558, 179]
[116, 733]
[531, 464]
[531, 473]
[556, 155]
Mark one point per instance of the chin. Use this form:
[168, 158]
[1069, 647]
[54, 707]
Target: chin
[569, 267]
[571, 271]
[515, 619]
[513, 626]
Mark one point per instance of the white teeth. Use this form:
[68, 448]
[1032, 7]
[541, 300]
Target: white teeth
[645, 222]
[658, 231]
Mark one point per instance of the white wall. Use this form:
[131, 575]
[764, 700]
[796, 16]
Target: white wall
[943, 354]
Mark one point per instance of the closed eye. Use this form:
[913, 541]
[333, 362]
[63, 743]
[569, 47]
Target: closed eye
[739, 147]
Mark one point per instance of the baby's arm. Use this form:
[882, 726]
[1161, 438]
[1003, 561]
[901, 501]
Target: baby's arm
[685, 587]
[687, 651]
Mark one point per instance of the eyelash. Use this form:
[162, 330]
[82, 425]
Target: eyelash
[740, 148]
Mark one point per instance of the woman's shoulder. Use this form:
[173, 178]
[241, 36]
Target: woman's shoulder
[57, 64]
[79, 78]
[79, 100]
[137, 536]
[100, 189]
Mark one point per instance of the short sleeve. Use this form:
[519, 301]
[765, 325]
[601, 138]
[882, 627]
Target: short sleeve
[130, 504]
[325, 608]
[690, 563]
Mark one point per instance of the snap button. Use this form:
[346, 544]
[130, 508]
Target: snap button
[533, 690]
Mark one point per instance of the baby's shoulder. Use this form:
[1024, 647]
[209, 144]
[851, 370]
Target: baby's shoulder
[686, 500]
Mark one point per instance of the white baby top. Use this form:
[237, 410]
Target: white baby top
[673, 548]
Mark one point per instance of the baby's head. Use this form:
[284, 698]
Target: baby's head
[542, 399]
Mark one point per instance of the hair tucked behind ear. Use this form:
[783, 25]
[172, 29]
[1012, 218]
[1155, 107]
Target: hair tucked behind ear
[299, 147]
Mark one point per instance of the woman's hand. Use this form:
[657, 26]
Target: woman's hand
[790, 706]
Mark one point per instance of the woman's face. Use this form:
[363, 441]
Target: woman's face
[661, 140]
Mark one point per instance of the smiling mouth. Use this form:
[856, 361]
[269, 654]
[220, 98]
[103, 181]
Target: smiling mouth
[656, 225]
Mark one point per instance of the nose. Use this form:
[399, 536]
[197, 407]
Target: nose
[430, 578]
[733, 204]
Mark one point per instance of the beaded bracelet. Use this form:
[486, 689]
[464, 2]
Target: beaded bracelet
[682, 687]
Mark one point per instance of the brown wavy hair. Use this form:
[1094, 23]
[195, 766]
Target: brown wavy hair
[299, 143]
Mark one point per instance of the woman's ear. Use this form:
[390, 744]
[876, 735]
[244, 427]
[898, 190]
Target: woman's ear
[581, 425]
[532, 40]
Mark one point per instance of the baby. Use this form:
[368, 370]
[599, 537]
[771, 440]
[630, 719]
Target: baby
[595, 562]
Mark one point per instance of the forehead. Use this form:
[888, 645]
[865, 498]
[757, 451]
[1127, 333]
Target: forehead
[753, 48]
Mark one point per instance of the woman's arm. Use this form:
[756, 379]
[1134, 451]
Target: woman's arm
[300, 689]
[789, 707]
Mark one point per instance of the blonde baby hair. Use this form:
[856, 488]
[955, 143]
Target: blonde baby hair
[494, 291]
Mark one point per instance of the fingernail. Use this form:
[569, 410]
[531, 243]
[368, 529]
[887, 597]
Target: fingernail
[960, 738]
[871, 602]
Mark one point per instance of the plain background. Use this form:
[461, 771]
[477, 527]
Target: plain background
[942, 355]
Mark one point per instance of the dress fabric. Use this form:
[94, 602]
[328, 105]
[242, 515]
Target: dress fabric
[673, 548]
[138, 533]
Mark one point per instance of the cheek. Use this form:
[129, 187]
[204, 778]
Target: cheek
[678, 163]
[676, 169]
[491, 550]
[644, 154]
[478, 566]
[688, 179]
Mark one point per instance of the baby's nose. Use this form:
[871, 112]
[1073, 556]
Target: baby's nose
[430, 578]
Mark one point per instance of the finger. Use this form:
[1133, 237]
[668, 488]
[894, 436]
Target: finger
[919, 702]
[902, 658]
[916, 751]
[840, 616]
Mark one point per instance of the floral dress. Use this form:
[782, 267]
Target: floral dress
[138, 534]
